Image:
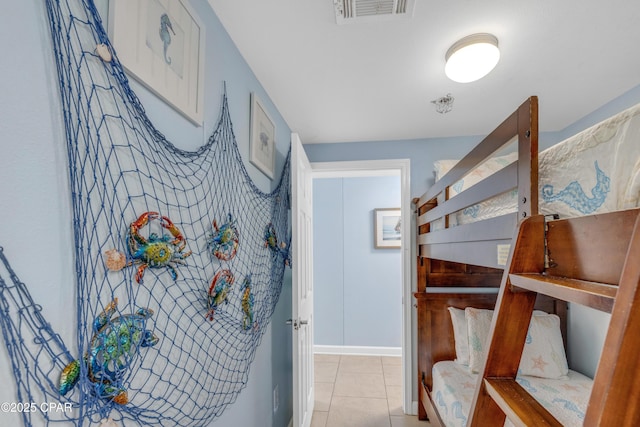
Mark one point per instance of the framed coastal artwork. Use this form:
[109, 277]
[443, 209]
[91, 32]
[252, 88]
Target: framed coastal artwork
[262, 147]
[160, 43]
[387, 228]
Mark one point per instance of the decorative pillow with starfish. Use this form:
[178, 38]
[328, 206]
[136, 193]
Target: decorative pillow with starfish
[543, 355]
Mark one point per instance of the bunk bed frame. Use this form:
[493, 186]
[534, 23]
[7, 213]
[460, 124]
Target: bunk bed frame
[549, 263]
[449, 259]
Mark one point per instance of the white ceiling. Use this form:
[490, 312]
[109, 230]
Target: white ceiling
[375, 81]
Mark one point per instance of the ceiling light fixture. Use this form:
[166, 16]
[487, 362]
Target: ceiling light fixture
[472, 57]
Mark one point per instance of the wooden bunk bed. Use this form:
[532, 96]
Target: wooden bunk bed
[549, 262]
[477, 243]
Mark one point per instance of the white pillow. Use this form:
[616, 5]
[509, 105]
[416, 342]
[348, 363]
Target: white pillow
[485, 169]
[460, 337]
[441, 167]
[543, 355]
[478, 325]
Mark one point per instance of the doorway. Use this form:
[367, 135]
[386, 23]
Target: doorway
[377, 168]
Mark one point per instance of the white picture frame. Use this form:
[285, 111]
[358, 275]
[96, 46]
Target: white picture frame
[160, 43]
[262, 135]
[387, 228]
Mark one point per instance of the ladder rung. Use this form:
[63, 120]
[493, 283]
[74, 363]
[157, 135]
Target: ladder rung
[591, 294]
[518, 405]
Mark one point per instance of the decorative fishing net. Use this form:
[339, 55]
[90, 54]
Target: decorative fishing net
[170, 306]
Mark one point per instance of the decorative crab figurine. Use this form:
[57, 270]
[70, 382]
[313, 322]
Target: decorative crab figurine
[270, 237]
[114, 343]
[271, 242]
[219, 291]
[247, 304]
[224, 240]
[157, 251]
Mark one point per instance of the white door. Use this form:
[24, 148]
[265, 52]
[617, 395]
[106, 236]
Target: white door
[302, 305]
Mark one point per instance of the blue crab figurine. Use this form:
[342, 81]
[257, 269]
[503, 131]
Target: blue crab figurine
[219, 291]
[156, 251]
[224, 240]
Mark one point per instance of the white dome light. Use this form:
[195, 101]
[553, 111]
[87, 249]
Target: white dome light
[472, 58]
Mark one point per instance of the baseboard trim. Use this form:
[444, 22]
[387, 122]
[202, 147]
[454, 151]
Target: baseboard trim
[357, 350]
[414, 408]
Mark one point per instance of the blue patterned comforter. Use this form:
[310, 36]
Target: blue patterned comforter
[453, 389]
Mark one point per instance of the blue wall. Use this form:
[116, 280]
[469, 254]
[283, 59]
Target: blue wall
[36, 226]
[358, 289]
[328, 261]
[421, 152]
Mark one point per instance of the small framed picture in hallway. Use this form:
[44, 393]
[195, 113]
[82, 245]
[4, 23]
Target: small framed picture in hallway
[386, 228]
[262, 136]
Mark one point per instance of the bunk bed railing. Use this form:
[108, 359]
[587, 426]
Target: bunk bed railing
[522, 125]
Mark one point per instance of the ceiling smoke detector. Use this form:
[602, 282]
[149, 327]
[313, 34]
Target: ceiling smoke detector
[351, 11]
[444, 104]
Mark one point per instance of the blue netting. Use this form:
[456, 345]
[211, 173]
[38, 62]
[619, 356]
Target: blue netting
[133, 193]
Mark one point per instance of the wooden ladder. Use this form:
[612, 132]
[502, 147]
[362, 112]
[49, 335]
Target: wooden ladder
[593, 261]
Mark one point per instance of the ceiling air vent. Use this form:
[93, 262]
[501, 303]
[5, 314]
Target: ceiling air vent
[348, 11]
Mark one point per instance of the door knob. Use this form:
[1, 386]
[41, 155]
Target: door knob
[296, 324]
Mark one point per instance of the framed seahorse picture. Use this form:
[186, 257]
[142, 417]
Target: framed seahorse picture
[160, 43]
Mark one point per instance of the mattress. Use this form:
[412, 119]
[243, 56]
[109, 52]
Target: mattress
[453, 389]
[594, 171]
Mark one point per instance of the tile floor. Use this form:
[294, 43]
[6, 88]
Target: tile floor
[359, 391]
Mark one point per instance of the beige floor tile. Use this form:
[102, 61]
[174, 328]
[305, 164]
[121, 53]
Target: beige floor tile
[358, 412]
[319, 419]
[391, 360]
[325, 372]
[359, 391]
[360, 385]
[394, 399]
[392, 374]
[408, 421]
[360, 364]
[323, 394]
[326, 358]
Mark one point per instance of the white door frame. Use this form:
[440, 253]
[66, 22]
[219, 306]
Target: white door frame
[402, 167]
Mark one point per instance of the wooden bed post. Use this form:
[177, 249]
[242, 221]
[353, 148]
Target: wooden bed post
[528, 158]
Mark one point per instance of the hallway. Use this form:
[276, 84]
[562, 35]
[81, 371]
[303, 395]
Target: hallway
[359, 391]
